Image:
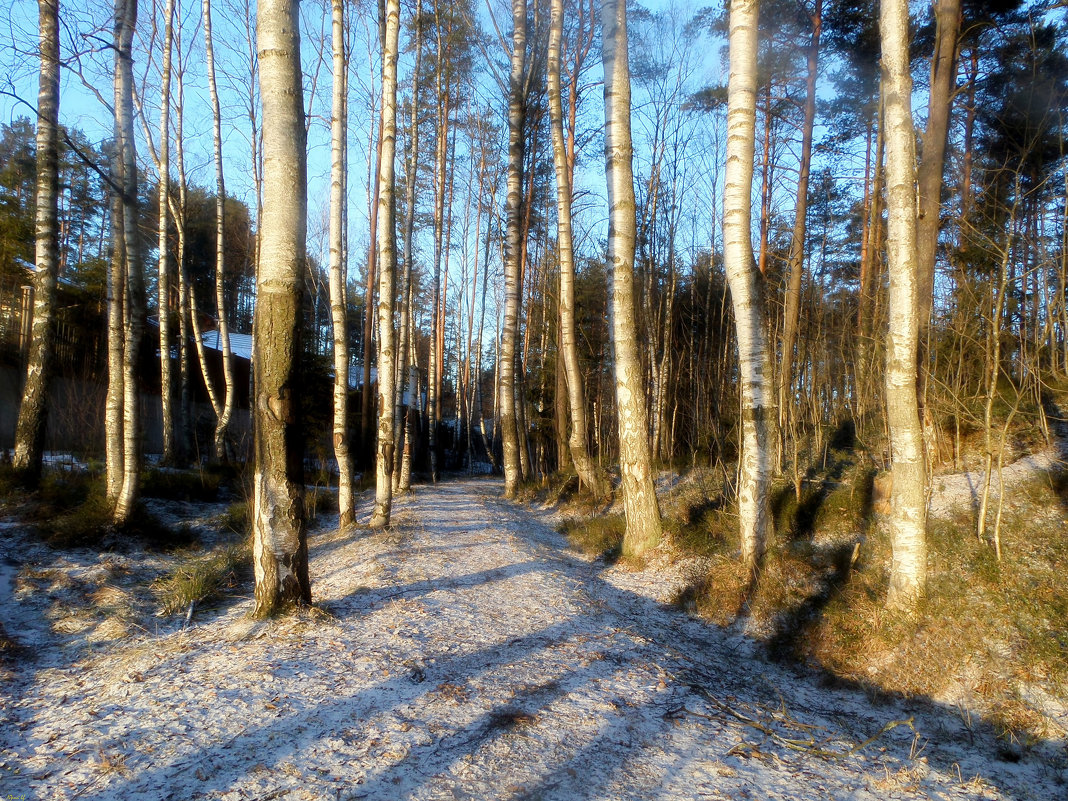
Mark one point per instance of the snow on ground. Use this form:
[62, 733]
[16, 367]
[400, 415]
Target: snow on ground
[466, 654]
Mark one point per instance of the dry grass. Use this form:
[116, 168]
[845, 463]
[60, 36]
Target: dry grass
[985, 630]
[988, 636]
[202, 577]
[598, 536]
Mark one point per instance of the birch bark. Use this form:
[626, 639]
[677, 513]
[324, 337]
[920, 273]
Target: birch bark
[513, 254]
[587, 471]
[33, 411]
[635, 461]
[387, 270]
[339, 268]
[908, 503]
[279, 545]
[757, 405]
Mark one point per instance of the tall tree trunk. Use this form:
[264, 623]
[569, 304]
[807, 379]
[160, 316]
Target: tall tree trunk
[222, 423]
[279, 544]
[907, 508]
[164, 267]
[587, 471]
[33, 411]
[185, 357]
[513, 249]
[403, 411]
[116, 281]
[339, 269]
[787, 406]
[635, 462]
[757, 405]
[133, 289]
[933, 149]
[387, 270]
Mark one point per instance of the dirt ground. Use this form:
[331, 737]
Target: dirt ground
[465, 653]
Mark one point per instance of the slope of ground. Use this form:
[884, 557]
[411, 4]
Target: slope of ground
[462, 654]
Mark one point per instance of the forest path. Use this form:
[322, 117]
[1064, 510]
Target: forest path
[465, 653]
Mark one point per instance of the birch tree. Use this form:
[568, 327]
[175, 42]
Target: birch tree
[387, 269]
[587, 471]
[404, 431]
[279, 545]
[225, 412]
[908, 504]
[339, 267]
[33, 411]
[513, 249]
[635, 461]
[757, 407]
[131, 286]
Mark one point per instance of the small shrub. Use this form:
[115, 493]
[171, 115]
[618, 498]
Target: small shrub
[599, 536]
[237, 518]
[181, 485]
[203, 578]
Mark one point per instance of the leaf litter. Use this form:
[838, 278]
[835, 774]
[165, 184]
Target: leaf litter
[463, 653]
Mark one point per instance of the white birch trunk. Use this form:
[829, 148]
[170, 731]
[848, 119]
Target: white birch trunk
[635, 461]
[339, 269]
[513, 254]
[587, 471]
[757, 406]
[164, 268]
[387, 270]
[222, 423]
[908, 512]
[133, 285]
[33, 410]
[279, 544]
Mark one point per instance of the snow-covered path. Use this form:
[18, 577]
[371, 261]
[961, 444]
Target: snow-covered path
[467, 654]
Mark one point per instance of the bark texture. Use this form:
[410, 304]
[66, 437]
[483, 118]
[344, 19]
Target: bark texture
[907, 505]
[33, 411]
[757, 406]
[225, 413]
[133, 288]
[280, 547]
[577, 445]
[387, 270]
[513, 250]
[339, 268]
[635, 462]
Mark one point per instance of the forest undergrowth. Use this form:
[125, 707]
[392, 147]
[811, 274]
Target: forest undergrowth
[987, 638]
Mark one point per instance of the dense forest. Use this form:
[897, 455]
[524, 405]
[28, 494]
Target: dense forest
[817, 231]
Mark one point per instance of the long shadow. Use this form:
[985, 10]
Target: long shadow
[699, 658]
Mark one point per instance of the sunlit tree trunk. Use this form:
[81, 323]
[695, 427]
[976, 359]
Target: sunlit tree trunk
[339, 269]
[513, 254]
[387, 270]
[757, 405]
[279, 545]
[587, 471]
[163, 271]
[908, 504]
[635, 462]
[133, 289]
[33, 411]
[404, 425]
[222, 423]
